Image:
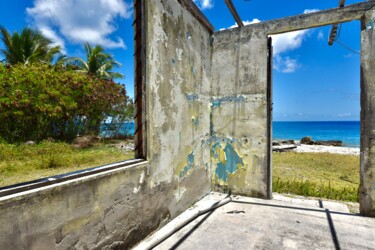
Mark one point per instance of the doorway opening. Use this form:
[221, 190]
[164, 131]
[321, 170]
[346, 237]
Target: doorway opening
[316, 114]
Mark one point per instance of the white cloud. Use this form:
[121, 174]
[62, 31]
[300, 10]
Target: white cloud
[307, 11]
[285, 65]
[204, 4]
[288, 41]
[283, 43]
[79, 21]
[247, 22]
[56, 40]
[320, 36]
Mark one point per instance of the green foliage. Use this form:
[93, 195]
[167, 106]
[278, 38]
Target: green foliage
[98, 63]
[39, 101]
[27, 47]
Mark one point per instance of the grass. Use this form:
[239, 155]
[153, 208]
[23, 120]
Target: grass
[20, 163]
[330, 176]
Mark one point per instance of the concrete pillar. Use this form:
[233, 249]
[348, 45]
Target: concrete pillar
[367, 187]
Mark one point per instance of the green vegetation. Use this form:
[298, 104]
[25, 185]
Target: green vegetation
[20, 163]
[27, 47]
[330, 176]
[50, 99]
[97, 63]
[41, 101]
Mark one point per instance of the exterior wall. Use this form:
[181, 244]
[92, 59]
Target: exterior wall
[178, 56]
[109, 210]
[367, 189]
[239, 112]
[117, 209]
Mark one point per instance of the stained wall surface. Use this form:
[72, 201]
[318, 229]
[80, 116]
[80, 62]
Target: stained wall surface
[239, 112]
[109, 210]
[118, 208]
[367, 189]
[178, 56]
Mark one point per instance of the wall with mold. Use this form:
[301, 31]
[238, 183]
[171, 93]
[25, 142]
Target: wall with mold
[109, 210]
[118, 208]
[367, 187]
[178, 56]
[239, 112]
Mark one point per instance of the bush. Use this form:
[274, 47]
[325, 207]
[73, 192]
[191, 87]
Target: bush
[43, 101]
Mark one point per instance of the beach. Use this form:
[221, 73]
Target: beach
[304, 148]
[325, 149]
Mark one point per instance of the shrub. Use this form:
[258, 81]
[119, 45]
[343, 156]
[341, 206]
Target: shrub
[42, 101]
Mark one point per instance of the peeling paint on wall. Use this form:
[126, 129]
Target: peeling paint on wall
[189, 166]
[216, 101]
[228, 159]
[195, 120]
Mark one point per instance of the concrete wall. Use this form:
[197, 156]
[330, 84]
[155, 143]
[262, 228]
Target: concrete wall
[367, 188]
[109, 210]
[239, 112]
[116, 209]
[178, 56]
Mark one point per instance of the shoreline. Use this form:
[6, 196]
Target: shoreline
[303, 148]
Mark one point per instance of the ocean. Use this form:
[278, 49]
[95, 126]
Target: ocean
[346, 131]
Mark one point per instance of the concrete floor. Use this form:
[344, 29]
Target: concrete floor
[281, 223]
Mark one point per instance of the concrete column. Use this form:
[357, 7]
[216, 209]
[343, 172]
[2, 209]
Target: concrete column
[367, 187]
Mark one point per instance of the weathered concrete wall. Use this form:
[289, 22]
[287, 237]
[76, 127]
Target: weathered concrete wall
[114, 209]
[367, 189]
[178, 56]
[239, 112]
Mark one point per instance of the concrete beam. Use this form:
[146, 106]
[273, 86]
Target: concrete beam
[315, 19]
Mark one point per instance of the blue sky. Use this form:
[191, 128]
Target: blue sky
[312, 81]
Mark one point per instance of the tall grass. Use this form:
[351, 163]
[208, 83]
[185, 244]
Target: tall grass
[19, 163]
[330, 176]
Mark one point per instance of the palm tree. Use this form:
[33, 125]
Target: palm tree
[97, 62]
[28, 47]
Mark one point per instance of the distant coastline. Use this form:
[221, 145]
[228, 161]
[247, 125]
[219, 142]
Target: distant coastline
[346, 131]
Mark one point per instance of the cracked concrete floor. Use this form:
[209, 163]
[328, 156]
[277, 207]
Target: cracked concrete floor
[281, 223]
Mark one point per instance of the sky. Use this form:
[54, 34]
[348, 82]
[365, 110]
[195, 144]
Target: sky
[311, 80]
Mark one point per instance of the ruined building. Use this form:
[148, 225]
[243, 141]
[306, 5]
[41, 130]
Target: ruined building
[188, 79]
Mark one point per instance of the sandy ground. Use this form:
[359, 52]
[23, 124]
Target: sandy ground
[326, 149]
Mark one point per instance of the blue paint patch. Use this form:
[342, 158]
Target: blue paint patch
[230, 166]
[173, 61]
[193, 70]
[370, 25]
[191, 97]
[216, 155]
[188, 166]
[218, 139]
[216, 102]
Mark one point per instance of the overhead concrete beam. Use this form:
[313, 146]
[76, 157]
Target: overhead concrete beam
[315, 19]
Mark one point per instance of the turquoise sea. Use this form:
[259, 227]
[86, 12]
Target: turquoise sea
[346, 131]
